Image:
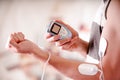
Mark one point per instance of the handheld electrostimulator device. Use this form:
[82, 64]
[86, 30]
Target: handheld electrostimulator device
[56, 28]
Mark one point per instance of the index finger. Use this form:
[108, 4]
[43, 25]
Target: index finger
[54, 38]
[48, 35]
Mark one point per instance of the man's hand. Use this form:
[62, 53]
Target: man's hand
[70, 44]
[20, 44]
[66, 43]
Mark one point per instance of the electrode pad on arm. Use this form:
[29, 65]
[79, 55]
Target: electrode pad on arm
[56, 28]
[88, 69]
[102, 47]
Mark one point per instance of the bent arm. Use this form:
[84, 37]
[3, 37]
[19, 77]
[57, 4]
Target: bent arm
[110, 61]
[73, 43]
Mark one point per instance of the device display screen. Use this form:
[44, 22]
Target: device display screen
[55, 28]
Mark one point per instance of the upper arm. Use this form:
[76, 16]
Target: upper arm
[111, 33]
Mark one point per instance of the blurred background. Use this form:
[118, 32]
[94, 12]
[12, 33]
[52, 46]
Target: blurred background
[32, 18]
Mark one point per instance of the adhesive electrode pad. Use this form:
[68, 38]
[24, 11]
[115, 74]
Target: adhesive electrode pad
[102, 47]
[87, 69]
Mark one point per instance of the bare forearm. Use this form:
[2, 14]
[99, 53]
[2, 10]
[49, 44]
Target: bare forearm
[82, 46]
[65, 66]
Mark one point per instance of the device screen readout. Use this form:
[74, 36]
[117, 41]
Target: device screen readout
[56, 28]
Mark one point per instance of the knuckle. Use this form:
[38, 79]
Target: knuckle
[67, 40]
[55, 38]
[63, 48]
[58, 44]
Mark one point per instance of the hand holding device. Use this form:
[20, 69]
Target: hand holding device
[68, 39]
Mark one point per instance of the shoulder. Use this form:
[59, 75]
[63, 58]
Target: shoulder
[113, 13]
[112, 25]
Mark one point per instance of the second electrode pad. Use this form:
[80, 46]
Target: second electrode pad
[56, 28]
[102, 47]
[88, 69]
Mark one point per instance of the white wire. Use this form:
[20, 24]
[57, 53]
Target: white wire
[44, 66]
[101, 77]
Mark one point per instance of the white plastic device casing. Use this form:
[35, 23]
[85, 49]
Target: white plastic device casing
[88, 69]
[64, 31]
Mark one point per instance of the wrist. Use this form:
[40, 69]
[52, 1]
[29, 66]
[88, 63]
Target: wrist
[82, 46]
[38, 52]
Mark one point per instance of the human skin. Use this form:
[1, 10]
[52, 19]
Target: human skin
[110, 61]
